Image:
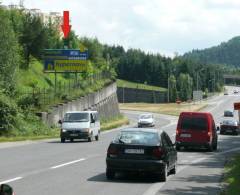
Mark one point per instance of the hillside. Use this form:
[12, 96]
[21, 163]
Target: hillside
[225, 53]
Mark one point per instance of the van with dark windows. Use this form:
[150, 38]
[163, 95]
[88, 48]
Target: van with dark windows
[196, 129]
[80, 125]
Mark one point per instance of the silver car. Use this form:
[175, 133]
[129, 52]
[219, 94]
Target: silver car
[146, 120]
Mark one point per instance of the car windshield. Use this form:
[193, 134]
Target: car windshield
[76, 117]
[138, 137]
[229, 122]
[197, 123]
[146, 116]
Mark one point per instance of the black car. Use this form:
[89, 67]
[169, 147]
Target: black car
[229, 126]
[228, 113]
[141, 150]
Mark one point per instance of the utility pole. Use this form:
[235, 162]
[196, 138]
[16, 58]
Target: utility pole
[168, 88]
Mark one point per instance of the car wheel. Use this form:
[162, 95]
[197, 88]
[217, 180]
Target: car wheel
[97, 137]
[178, 147]
[210, 148]
[215, 146]
[71, 140]
[63, 140]
[174, 169]
[163, 175]
[110, 174]
[221, 133]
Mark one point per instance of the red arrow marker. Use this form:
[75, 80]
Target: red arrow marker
[66, 27]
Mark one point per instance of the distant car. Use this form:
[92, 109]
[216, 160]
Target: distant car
[235, 91]
[229, 126]
[146, 120]
[225, 93]
[228, 113]
[141, 150]
[196, 129]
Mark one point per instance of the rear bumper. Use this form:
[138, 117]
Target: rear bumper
[75, 135]
[193, 144]
[145, 124]
[156, 166]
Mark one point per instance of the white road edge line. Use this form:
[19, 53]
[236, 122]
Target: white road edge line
[68, 163]
[10, 180]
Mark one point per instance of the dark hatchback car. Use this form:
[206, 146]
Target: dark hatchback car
[229, 126]
[141, 150]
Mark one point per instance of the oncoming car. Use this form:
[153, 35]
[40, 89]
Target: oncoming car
[141, 150]
[228, 113]
[80, 125]
[229, 126]
[146, 120]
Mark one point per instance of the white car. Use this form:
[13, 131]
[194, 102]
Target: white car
[146, 120]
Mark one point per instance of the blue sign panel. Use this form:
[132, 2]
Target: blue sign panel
[65, 60]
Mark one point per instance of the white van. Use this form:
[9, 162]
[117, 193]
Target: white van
[80, 125]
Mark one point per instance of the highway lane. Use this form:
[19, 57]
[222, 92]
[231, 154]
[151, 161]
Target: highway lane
[80, 167]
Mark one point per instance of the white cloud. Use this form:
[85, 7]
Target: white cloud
[165, 26]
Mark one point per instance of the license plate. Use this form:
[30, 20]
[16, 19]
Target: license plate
[134, 151]
[185, 135]
[74, 134]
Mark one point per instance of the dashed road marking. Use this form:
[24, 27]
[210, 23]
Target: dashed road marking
[10, 180]
[68, 163]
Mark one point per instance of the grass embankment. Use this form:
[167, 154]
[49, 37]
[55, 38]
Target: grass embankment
[232, 177]
[114, 123]
[170, 109]
[54, 133]
[133, 85]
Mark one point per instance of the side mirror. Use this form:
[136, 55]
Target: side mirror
[218, 128]
[6, 189]
[92, 120]
[60, 122]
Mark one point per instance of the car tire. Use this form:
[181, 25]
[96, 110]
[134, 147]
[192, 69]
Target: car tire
[210, 148]
[71, 140]
[164, 174]
[215, 146]
[221, 133]
[110, 174]
[63, 140]
[174, 169]
[97, 137]
[178, 147]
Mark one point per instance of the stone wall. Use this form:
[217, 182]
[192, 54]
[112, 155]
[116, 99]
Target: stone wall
[129, 95]
[104, 101]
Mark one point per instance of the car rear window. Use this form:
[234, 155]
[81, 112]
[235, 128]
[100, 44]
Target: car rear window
[138, 137]
[194, 123]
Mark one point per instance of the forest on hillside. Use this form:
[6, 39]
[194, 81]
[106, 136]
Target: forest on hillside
[226, 53]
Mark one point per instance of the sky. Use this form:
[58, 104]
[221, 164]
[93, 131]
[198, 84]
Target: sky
[156, 26]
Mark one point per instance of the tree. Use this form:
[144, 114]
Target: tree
[9, 53]
[185, 86]
[172, 88]
[34, 37]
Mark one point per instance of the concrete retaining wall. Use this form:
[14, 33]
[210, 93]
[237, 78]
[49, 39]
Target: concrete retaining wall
[104, 101]
[129, 95]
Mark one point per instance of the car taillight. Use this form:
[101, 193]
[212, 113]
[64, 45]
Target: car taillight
[157, 152]
[112, 151]
[209, 134]
[177, 132]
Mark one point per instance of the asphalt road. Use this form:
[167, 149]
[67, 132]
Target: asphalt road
[49, 167]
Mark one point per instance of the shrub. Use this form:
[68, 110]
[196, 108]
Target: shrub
[8, 113]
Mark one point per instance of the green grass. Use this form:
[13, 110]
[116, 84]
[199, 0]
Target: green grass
[133, 85]
[232, 177]
[167, 108]
[114, 123]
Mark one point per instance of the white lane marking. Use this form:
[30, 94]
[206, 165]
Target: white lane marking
[10, 180]
[156, 187]
[68, 163]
